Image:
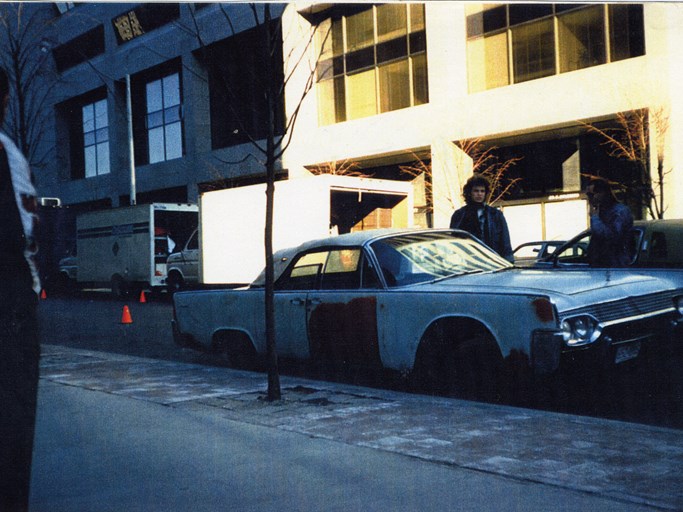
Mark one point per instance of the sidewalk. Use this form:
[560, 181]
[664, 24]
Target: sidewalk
[625, 462]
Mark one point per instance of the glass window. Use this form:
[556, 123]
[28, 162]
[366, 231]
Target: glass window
[420, 91]
[627, 38]
[164, 130]
[582, 38]
[394, 82]
[381, 67]
[579, 42]
[359, 31]
[533, 50]
[360, 97]
[96, 138]
[391, 21]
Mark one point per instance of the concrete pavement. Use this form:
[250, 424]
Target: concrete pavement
[625, 464]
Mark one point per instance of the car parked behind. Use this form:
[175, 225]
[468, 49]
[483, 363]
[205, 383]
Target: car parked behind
[528, 253]
[656, 244]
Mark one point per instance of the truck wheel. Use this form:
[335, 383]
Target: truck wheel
[119, 287]
[174, 283]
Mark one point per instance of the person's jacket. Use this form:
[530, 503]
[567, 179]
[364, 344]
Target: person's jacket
[611, 238]
[495, 233]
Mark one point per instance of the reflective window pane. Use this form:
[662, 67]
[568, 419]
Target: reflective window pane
[89, 138]
[90, 162]
[154, 99]
[171, 90]
[359, 30]
[101, 118]
[420, 83]
[360, 95]
[103, 158]
[627, 38]
[88, 118]
[155, 119]
[391, 21]
[174, 141]
[394, 86]
[533, 50]
[582, 38]
[155, 141]
[417, 17]
[102, 135]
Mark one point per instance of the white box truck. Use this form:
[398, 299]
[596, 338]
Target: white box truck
[126, 248]
[232, 221]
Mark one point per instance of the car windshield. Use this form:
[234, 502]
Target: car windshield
[421, 257]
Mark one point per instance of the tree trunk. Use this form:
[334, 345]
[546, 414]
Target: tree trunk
[274, 391]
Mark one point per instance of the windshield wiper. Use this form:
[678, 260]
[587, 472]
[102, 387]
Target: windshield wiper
[469, 272]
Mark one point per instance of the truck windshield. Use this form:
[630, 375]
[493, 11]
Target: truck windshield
[408, 259]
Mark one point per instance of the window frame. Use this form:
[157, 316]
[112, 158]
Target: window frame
[364, 264]
[492, 22]
[341, 65]
[97, 143]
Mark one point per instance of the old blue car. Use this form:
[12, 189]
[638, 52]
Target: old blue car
[437, 306]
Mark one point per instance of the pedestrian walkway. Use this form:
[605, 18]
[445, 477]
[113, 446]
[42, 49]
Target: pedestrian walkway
[626, 462]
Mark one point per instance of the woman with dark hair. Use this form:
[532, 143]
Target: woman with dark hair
[611, 226]
[481, 220]
[19, 348]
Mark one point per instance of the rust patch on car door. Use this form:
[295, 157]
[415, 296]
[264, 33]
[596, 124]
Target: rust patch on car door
[345, 332]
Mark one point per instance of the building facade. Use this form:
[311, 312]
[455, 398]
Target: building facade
[530, 83]
[403, 91]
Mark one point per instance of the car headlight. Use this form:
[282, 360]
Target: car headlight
[580, 330]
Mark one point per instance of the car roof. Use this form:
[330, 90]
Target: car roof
[678, 223]
[282, 257]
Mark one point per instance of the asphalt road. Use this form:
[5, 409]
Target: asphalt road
[650, 394]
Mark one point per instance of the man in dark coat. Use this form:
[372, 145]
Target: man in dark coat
[481, 220]
[611, 226]
[19, 348]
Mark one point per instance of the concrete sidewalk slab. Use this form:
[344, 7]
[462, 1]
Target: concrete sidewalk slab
[623, 461]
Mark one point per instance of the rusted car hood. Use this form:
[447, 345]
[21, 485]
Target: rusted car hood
[566, 289]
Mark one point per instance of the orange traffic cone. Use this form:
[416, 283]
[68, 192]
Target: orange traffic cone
[142, 296]
[125, 317]
[43, 295]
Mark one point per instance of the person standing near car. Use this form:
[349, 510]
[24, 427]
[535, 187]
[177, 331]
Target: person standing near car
[19, 344]
[611, 226]
[481, 220]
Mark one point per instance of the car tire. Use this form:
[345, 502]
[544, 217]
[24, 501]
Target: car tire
[476, 370]
[236, 350]
[471, 369]
[174, 283]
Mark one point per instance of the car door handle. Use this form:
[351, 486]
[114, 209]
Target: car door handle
[297, 302]
[315, 301]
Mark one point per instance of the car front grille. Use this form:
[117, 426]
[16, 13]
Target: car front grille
[630, 307]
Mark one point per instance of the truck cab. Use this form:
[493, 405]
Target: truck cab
[182, 265]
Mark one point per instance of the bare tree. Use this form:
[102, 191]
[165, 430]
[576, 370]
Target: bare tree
[25, 35]
[485, 162]
[271, 143]
[343, 168]
[630, 140]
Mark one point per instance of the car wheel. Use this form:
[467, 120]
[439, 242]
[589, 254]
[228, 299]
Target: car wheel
[476, 370]
[471, 369]
[174, 283]
[236, 350]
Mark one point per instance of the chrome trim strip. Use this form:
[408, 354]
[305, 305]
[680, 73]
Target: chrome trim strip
[637, 317]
